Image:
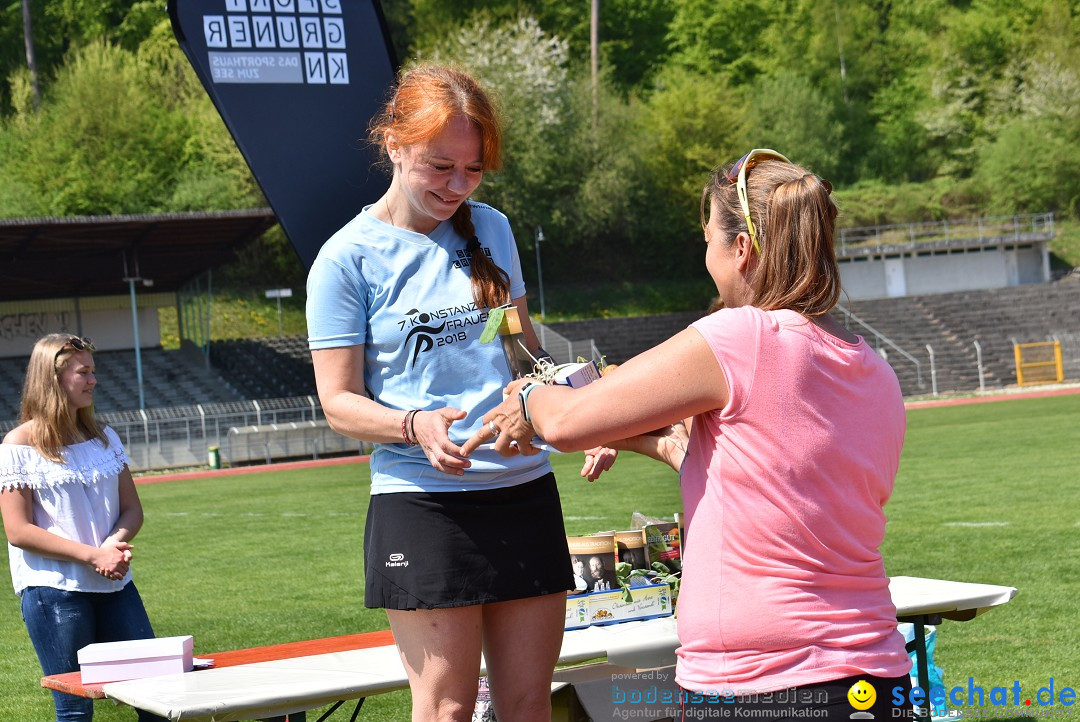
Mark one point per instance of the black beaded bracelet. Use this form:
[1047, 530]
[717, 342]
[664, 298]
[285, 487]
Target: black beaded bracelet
[412, 427]
[407, 428]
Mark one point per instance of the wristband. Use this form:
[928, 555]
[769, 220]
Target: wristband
[406, 426]
[523, 397]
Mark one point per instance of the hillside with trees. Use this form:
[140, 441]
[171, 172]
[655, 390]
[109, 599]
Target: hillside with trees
[915, 110]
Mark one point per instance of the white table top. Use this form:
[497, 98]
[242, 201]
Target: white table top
[268, 689]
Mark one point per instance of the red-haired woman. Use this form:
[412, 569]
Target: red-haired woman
[465, 555]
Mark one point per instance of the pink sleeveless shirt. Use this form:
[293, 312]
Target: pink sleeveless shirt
[783, 581]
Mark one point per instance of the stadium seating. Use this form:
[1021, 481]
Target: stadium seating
[951, 322]
[276, 368]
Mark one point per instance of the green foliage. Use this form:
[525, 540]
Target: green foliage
[720, 37]
[689, 124]
[1031, 167]
[1065, 248]
[792, 116]
[103, 144]
[916, 110]
[525, 70]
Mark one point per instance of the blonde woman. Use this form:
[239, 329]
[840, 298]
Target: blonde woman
[70, 511]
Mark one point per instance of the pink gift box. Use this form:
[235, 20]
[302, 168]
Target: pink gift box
[135, 659]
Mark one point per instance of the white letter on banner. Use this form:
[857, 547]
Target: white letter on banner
[235, 6]
[288, 37]
[214, 31]
[260, 6]
[239, 31]
[315, 67]
[308, 6]
[338, 64]
[284, 6]
[264, 31]
[335, 33]
[331, 6]
[311, 29]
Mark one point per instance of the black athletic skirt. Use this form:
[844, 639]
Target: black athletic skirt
[453, 549]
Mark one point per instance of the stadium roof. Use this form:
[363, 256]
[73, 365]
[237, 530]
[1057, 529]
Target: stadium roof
[85, 256]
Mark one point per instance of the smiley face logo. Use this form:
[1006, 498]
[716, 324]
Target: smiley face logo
[862, 695]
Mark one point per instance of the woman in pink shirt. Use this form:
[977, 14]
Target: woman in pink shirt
[795, 431]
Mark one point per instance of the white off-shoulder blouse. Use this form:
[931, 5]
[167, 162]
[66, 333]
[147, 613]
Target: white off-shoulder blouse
[77, 500]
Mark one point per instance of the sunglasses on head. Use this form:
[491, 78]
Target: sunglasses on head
[79, 344]
[737, 175]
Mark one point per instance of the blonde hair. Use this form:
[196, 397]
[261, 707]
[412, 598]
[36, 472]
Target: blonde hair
[424, 102]
[45, 403]
[795, 219]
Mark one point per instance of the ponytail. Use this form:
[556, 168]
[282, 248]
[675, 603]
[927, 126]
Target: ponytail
[798, 268]
[490, 284]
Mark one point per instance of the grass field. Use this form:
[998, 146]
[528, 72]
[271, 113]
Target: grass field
[986, 493]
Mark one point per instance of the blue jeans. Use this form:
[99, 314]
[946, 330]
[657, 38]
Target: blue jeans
[61, 623]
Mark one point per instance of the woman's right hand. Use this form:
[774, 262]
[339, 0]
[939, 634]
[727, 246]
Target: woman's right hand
[431, 430]
[113, 559]
[668, 445]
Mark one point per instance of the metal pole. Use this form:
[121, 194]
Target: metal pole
[539, 271]
[594, 47]
[280, 328]
[138, 351]
[978, 357]
[933, 370]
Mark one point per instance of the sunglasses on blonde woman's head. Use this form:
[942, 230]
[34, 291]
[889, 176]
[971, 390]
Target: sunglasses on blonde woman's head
[737, 175]
[79, 344]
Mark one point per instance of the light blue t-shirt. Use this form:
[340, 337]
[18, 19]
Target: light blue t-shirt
[407, 297]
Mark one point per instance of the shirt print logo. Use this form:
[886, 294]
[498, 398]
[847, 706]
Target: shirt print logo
[397, 560]
[423, 333]
[430, 330]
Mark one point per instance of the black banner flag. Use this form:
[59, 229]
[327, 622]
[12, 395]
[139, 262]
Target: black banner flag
[296, 82]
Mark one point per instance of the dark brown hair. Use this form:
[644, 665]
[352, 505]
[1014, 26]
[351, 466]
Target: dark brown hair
[424, 101]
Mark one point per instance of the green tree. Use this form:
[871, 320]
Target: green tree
[61, 25]
[212, 174]
[102, 143]
[1031, 167]
[723, 37]
[689, 125]
[524, 69]
[794, 117]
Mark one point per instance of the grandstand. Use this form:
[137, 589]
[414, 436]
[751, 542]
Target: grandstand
[949, 323]
[258, 393]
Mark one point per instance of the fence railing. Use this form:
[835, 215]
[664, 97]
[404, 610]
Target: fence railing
[182, 436]
[906, 236]
[562, 349]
